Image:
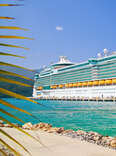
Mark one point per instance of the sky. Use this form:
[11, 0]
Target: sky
[78, 29]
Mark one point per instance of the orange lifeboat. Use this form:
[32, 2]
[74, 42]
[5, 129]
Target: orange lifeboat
[96, 83]
[114, 81]
[102, 82]
[55, 86]
[66, 85]
[79, 84]
[60, 86]
[74, 84]
[90, 83]
[84, 83]
[51, 87]
[70, 84]
[40, 88]
[108, 81]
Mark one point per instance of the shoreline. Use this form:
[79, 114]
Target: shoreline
[55, 144]
[90, 138]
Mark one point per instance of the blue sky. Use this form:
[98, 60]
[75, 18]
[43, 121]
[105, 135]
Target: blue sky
[88, 26]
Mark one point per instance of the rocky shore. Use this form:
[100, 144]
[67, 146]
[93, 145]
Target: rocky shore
[92, 137]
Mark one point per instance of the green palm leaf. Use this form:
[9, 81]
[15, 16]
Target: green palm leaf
[7, 92]
[12, 65]
[7, 54]
[3, 17]
[15, 37]
[13, 82]
[13, 74]
[14, 107]
[3, 102]
[12, 27]
[10, 5]
[14, 46]
[9, 147]
[10, 137]
[3, 153]
[11, 115]
[18, 128]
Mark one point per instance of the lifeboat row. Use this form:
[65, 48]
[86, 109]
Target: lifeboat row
[82, 84]
[40, 88]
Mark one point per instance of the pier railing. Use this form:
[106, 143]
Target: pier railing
[76, 98]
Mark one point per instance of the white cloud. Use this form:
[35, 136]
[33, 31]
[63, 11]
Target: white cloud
[59, 28]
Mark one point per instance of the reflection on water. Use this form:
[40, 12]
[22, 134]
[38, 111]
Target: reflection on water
[86, 115]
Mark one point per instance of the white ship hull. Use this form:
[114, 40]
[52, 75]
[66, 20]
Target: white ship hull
[85, 92]
[94, 78]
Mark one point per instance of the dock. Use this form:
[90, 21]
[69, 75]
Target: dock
[113, 99]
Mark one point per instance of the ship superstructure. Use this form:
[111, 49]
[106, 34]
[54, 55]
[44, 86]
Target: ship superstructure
[94, 78]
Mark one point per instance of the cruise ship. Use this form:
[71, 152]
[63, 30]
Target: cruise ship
[94, 78]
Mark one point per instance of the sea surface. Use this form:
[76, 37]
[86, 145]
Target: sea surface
[86, 115]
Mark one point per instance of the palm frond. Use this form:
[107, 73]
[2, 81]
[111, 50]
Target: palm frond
[3, 153]
[7, 54]
[4, 17]
[14, 74]
[13, 139]
[3, 102]
[12, 65]
[10, 5]
[7, 92]
[18, 128]
[9, 147]
[11, 115]
[13, 28]
[14, 46]
[13, 82]
[15, 37]
[10, 93]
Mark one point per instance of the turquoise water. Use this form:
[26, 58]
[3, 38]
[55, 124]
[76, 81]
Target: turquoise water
[85, 115]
